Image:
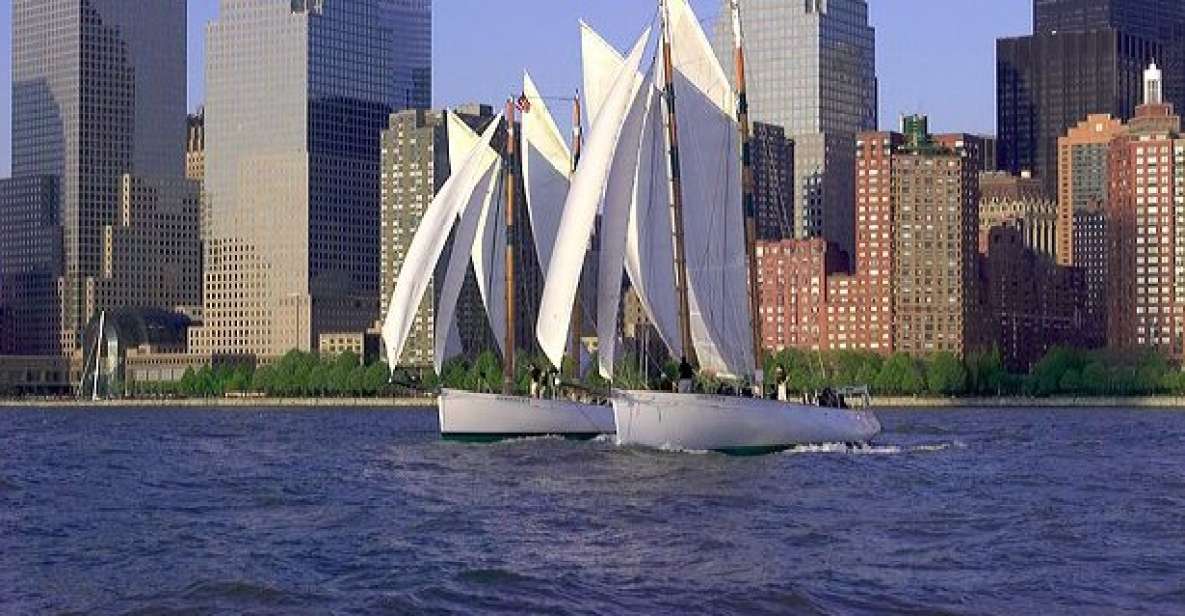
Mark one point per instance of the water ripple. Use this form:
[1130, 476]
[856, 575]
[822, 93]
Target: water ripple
[357, 512]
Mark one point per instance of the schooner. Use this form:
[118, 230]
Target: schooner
[468, 207]
[666, 163]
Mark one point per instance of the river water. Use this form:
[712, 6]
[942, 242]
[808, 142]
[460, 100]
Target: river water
[361, 512]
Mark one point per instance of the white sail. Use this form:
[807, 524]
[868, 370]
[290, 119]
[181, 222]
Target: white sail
[454, 279]
[713, 218]
[428, 242]
[620, 192]
[547, 170]
[602, 64]
[650, 245]
[580, 210]
[489, 256]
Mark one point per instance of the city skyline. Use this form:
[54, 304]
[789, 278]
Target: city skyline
[553, 54]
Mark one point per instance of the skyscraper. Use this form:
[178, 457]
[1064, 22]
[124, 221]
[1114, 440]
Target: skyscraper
[1085, 57]
[298, 92]
[811, 68]
[98, 92]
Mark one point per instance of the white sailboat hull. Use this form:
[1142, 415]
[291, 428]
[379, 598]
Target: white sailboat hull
[468, 416]
[733, 424]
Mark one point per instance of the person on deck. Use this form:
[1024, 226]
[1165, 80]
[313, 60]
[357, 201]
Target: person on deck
[780, 380]
[536, 376]
[686, 376]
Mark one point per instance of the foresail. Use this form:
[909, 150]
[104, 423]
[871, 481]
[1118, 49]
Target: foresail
[465, 241]
[602, 64]
[547, 169]
[581, 207]
[429, 240]
[709, 147]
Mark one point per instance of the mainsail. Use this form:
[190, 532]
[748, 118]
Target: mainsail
[429, 240]
[581, 207]
[709, 145]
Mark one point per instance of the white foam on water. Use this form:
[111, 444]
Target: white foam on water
[668, 448]
[873, 450]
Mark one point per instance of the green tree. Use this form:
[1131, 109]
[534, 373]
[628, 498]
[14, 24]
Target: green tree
[900, 375]
[945, 375]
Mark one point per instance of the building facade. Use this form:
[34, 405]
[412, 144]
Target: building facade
[98, 91]
[30, 266]
[1085, 56]
[1082, 174]
[811, 69]
[935, 197]
[1033, 303]
[1018, 202]
[297, 95]
[773, 181]
[151, 253]
[915, 286]
[1146, 229]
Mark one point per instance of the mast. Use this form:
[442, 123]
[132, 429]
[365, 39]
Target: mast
[676, 187]
[577, 306]
[511, 179]
[747, 190]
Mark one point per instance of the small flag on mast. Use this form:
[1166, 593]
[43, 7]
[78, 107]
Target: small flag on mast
[523, 103]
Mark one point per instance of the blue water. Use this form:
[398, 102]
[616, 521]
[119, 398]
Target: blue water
[360, 512]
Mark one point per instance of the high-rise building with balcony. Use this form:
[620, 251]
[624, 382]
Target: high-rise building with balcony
[811, 68]
[298, 92]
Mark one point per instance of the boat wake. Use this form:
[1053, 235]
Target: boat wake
[874, 450]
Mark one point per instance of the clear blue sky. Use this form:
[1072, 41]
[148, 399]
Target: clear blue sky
[933, 56]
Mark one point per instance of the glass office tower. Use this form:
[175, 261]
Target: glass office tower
[1084, 57]
[298, 92]
[812, 70]
[98, 91]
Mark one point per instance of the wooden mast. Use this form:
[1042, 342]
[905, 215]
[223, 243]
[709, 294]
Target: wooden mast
[750, 205]
[508, 367]
[676, 188]
[577, 306]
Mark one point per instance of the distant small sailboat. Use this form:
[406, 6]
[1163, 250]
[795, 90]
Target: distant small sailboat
[468, 206]
[677, 217]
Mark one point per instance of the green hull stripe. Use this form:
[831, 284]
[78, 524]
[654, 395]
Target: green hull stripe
[754, 451]
[494, 437]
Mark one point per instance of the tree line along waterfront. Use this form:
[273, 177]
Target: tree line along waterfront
[1062, 371]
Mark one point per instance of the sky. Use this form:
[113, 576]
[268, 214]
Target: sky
[933, 56]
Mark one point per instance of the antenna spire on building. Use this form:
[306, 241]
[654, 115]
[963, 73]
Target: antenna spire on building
[1153, 85]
